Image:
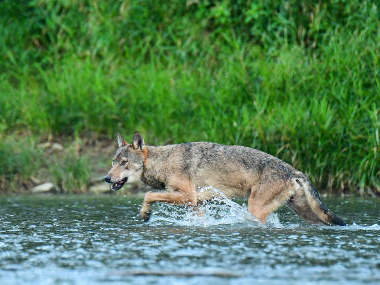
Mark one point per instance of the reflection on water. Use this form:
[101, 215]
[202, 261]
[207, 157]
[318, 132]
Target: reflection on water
[91, 240]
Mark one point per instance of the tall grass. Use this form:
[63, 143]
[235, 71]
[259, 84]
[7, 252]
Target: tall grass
[304, 88]
[23, 162]
[18, 161]
[71, 173]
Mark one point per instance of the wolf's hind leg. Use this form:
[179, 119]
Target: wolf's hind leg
[268, 197]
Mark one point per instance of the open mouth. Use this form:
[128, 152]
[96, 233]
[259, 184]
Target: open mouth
[117, 185]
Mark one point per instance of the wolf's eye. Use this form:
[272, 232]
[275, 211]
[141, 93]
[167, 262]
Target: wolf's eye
[123, 162]
[113, 162]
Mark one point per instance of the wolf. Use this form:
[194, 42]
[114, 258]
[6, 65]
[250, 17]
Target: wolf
[236, 171]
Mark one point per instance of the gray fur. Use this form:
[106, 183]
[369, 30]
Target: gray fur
[237, 171]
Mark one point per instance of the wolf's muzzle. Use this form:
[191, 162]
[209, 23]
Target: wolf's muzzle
[115, 185]
[107, 179]
[118, 185]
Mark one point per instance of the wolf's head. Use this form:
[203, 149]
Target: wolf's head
[128, 162]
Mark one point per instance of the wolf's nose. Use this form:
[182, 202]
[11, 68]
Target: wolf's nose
[107, 179]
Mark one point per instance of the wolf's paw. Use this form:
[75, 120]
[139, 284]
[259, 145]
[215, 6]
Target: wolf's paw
[145, 212]
[146, 215]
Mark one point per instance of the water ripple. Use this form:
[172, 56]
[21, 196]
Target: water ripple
[98, 240]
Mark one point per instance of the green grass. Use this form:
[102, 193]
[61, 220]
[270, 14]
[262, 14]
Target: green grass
[21, 158]
[18, 161]
[305, 89]
[71, 173]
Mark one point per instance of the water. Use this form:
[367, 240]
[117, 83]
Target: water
[102, 240]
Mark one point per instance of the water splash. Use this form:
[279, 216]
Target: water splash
[219, 211]
[223, 211]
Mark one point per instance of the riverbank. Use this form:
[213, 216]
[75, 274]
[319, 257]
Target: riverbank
[57, 166]
[66, 165]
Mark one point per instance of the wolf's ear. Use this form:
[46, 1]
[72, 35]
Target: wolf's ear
[138, 141]
[120, 141]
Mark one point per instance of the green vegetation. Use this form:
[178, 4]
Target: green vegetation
[18, 161]
[297, 79]
[23, 161]
[71, 174]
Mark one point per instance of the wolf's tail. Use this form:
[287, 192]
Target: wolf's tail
[319, 209]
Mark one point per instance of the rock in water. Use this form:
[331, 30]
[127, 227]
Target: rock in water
[99, 188]
[44, 188]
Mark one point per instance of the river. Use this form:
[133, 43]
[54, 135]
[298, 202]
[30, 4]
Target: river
[102, 240]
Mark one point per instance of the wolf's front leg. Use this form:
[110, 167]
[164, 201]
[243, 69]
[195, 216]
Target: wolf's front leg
[185, 194]
[145, 211]
[177, 198]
